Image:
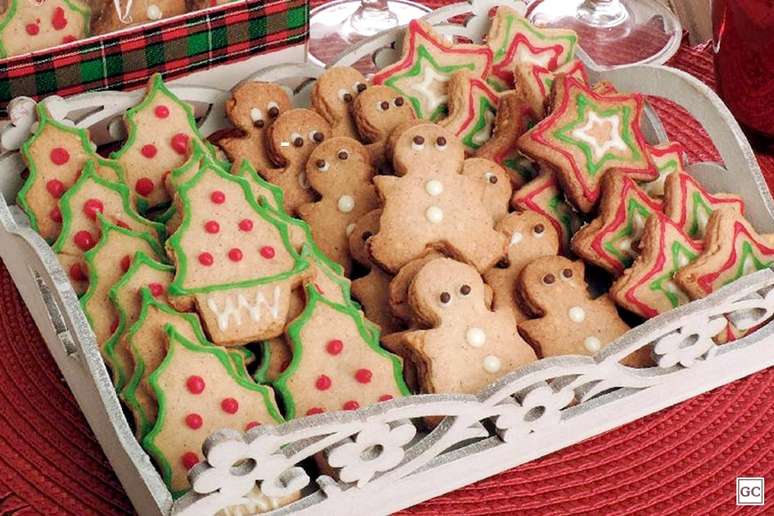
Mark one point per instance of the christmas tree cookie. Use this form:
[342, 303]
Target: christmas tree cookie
[160, 129]
[89, 196]
[55, 155]
[648, 288]
[586, 136]
[27, 26]
[235, 261]
[609, 241]
[516, 42]
[668, 159]
[472, 109]
[120, 16]
[428, 61]
[689, 205]
[199, 391]
[337, 362]
[106, 262]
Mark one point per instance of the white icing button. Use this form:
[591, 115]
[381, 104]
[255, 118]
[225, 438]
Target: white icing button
[475, 337]
[516, 238]
[492, 364]
[577, 314]
[434, 215]
[346, 204]
[255, 114]
[434, 187]
[592, 344]
[625, 245]
[153, 12]
[350, 229]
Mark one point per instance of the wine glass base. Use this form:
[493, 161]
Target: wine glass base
[617, 33]
[335, 26]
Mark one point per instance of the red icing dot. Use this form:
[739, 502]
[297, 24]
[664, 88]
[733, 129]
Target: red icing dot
[149, 151]
[314, 410]
[126, 262]
[59, 21]
[32, 29]
[56, 188]
[69, 39]
[267, 252]
[77, 273]
[180, 143]
[189, 460]
[334, 346]
[211, 226]
[385, 397]
[195, 384]
[235, 255]
[59, 156]
[363, 375]
[92, 207]
[156, 289]
[55, 215]
[229, 405]
[122, 224]
[323, 383]
[218, 197]
[206, 259]
[144, 186]
[246, 225]
[194, 421]
[161, 111]
[114, 326]
[84, 240]
[351, 405]
[251, 425]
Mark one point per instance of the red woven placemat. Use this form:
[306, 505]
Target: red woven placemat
[681, 461]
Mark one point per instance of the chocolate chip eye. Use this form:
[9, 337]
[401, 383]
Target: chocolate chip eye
[399, 101]
[322, 165]
[465, 290]
[548, 279]
[504, 263]
[366, 235]
[259, 123]
[360, 87]
[538, 229]
[491, 178]
[347, 97]
[384, 105]
[567, 273]
[318, 136]
[343, 155]
[440, 142]
[445, 298]
[298, 141]
[273, 109]
[419, 140]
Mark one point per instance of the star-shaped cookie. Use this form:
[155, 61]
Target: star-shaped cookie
[668, 158]
[472, 109]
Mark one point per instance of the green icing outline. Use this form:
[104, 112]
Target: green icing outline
[85, 13]
[45, 119]
[175, 339]
[677, 249]
[484, 106]
[747, 253]
[263, 368]
[610, 245]
[294, 332]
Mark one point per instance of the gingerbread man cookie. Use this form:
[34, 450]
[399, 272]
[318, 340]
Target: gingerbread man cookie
[340, 171]
[432, 205]
[497, 189]
[28, 25]
[377, 112]
[333, 95]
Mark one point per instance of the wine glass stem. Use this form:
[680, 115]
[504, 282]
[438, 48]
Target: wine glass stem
[602, 13]
[377, 5]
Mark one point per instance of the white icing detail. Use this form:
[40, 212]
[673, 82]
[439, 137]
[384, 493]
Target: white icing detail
[417, 147]
[434, 187]
[434, 215]
[346, 204]
[538, 235]
[303, 181]
[625, 245]
[350, 229]
[311, 135]
[516, 237]
[638, 226]
[488, 176]
[430, 77]
[153, 12]
[526, 56]
[476, 337]
[379, 106]
[749, 266]
[599, 149]
[272, 104]
[682, 260]
[295, 136]
[440, 146]
[702, 221]
[325, 167]
[256, 114]
[577, 314]
[284, 144]
[592, 344]
[124, 15]
[492, 364]
[232, 308]
[485, 133]
[342, 92]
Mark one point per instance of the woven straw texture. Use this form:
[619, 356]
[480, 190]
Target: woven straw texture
[680, 461]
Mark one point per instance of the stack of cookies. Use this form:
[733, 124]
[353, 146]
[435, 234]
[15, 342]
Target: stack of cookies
[426, 230]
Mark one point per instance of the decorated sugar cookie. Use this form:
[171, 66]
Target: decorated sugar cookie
[275, 358]
[496, 191]
[199, 391]
[732, 249]
[567, 321]
[334, 93]
[148, 155]
[610, 240]
[340, 171]
[544, 196]
[689, 205]
[234, 259]
[432, 205]
[28, 25]
[648, 288]
[377, 112]
[669, 159]
[55, 155]
[588, 135]
[467, 346]
[516, 42]
[337, 361]
[252, 108]
[535, 84]
[89, 196]
[137, 12]
[428, 61]
[472, 109]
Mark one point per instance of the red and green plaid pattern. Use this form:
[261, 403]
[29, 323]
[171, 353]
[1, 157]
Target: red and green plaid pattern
[173, 47]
